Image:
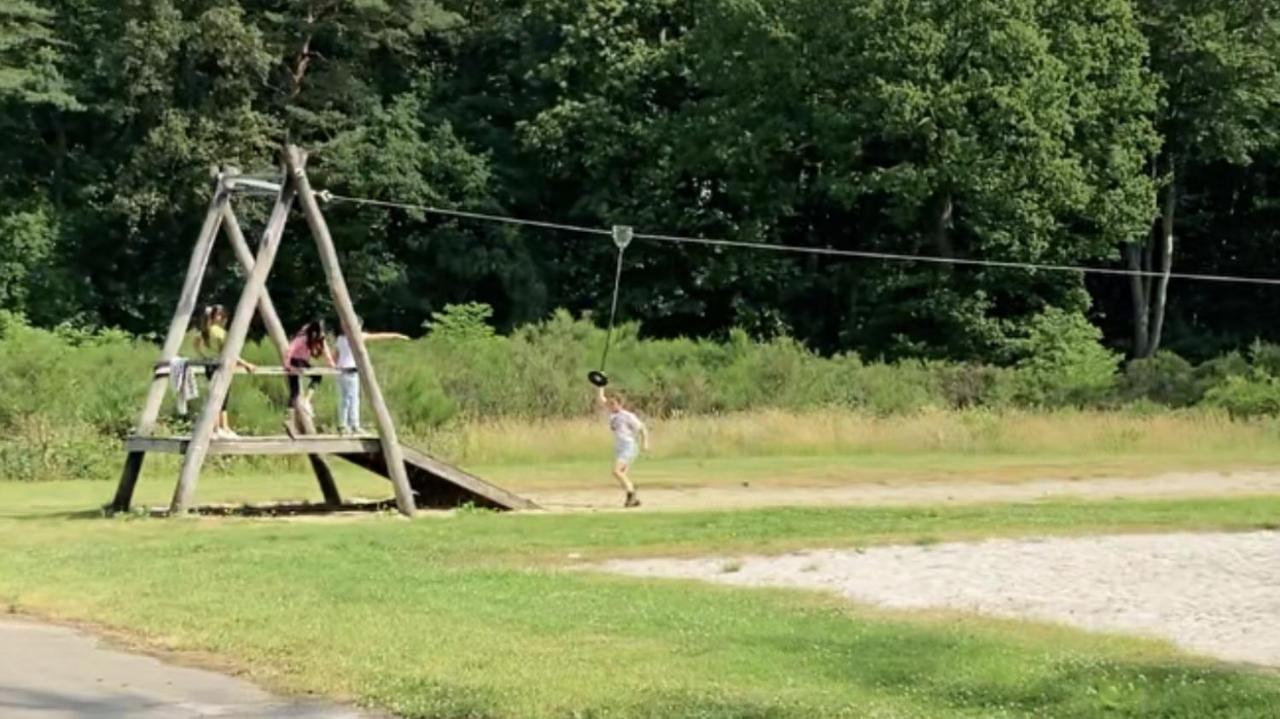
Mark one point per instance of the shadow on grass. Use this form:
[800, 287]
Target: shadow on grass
[257, 510]
[962, 671]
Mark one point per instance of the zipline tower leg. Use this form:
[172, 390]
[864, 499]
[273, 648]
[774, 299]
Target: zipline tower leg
[392, 453]
[173, 340]
[220, 384]
[276, 331]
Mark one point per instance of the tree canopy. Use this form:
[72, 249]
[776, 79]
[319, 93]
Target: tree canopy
[1061, 131]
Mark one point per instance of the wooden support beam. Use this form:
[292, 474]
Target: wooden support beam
[280, 338]
[296, 161]
[178, 327]
[263, 371]
[244, 254]
[181, 321]
[236, 334]
[128, 481]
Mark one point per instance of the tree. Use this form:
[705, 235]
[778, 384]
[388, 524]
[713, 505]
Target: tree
[32, 87]
[170, 88]
[1220, 93]
[1005, 130]
[30, 58]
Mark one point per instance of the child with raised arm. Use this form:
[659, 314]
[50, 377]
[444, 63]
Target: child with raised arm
[625, 425]
[349, 380]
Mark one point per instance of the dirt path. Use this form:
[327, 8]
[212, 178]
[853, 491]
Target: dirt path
[941, 492]
[1215, 594]
[49, 672]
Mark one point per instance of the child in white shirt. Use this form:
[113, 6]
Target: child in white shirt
[625, 426]
[349, 380]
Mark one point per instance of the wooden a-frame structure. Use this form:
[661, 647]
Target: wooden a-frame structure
[418, 479]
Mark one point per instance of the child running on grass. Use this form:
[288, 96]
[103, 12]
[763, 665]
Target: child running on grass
[625, 426]
[209, 342]
[310, 343]
[349, 380]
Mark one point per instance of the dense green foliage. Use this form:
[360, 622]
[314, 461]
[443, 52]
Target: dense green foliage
[1003, 129]
[67, 396]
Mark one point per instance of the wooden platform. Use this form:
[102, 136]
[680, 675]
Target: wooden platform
[282, 445]
[436, 484]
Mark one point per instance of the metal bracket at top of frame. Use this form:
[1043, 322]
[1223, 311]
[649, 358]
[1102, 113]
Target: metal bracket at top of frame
[258, 183]
[255, 185]
[622, 236]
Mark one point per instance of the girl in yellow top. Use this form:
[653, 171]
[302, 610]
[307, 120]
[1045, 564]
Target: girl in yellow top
[208, 345]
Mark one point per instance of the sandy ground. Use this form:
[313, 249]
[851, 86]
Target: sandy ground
[49, 672]
[941, 492]
[1213, 594]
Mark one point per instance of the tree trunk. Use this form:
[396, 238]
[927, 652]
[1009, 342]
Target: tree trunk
[943, 208]
[1166, 262]
[1140, 289]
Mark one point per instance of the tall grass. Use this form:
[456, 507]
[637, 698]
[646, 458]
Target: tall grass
[839, 432]
[68, 397]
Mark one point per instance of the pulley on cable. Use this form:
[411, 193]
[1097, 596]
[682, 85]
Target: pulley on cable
[621, 238]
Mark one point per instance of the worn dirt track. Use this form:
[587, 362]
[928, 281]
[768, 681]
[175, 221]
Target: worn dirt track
[940, 492]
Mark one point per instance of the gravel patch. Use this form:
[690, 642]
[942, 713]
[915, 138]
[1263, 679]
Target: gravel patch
[1213, 594]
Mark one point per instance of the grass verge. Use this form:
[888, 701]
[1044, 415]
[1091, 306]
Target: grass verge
[482, 615]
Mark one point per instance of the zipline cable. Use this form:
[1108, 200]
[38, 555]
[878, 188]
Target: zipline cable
[428, 209]
[822, 251]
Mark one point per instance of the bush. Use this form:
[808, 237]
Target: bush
[68, 396]
[1165, 379]
[1253, 396]
[968, 385]
[1265, 358]
[1063, 362]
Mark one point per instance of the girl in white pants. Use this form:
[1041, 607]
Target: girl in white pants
[349, 380]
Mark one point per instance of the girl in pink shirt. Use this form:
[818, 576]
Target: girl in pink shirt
[310, 343]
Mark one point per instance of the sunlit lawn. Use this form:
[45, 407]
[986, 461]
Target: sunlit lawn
[483, 615]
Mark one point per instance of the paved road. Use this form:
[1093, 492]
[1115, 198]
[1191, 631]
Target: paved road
[51, 672]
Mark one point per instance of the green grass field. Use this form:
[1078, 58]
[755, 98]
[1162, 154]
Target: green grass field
[484, 615]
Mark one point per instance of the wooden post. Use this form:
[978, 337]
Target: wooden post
[181, 321]
[244, 254]
[128, 481]
[351, 327]
[178, 327]
[236, 334]
[280, 338]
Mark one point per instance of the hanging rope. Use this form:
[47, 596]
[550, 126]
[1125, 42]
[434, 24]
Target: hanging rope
[622, 238]
[613, 311]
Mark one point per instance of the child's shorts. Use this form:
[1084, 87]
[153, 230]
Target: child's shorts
[626, 451]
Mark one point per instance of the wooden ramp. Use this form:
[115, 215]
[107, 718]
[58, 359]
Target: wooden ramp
[438, 485]
[435, 484]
